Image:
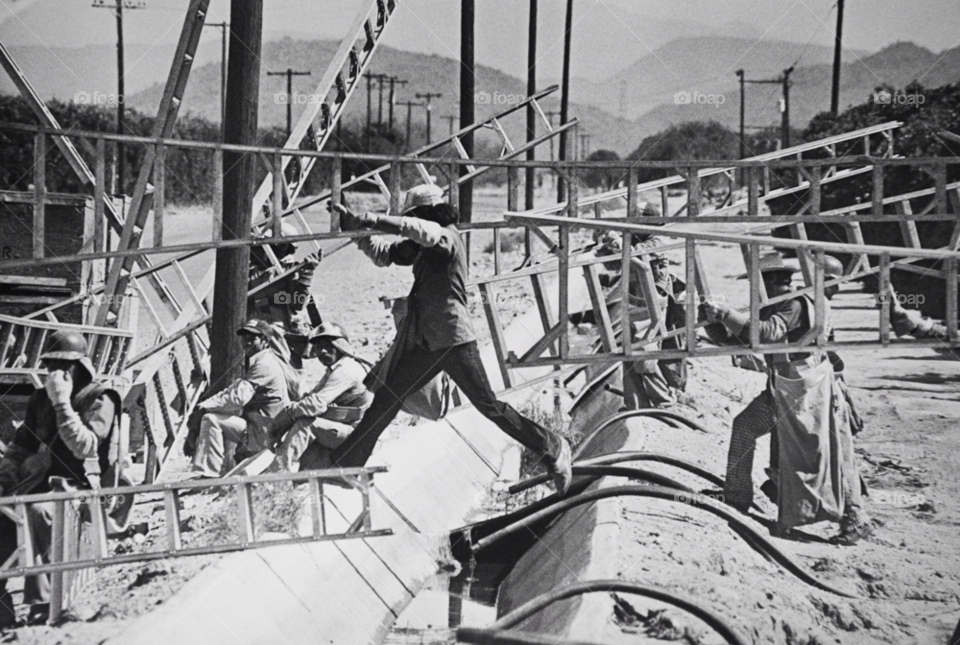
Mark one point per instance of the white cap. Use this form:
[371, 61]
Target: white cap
[422, 195]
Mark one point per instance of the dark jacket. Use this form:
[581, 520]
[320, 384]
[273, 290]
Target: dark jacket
[98, 408]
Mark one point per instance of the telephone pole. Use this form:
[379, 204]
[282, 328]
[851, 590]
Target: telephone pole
[380, 78]
[410, 105]
[289, 73]
[223, 27]
[565, 96]
[366, 133]
[743, 81]
[835, 90]
[450, 119]
[530, 175]
[467, 90]
[785, 123]
[118, 7]
[239, 183]
[429, 96]
[394, 81]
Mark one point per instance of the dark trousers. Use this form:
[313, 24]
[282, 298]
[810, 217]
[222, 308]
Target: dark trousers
[415, 369]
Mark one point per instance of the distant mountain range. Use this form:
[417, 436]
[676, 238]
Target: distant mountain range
[701, 67]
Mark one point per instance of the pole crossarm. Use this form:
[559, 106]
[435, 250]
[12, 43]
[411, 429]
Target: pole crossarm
[91, 515]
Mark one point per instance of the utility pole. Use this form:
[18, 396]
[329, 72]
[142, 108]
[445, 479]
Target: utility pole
[118, 7]
[743, 135]
[766, 81]
[366, 136]
[785, 124]
[429, 96]
[410, 105]
[239, 183]
[394, 81]
[835, 91]
[289, 73]
[381, 78]
[565, 96]
[223, 27]
[450, 120]
[530, 175]
[467, 94]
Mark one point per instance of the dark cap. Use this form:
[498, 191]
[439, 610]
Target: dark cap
[255, 327]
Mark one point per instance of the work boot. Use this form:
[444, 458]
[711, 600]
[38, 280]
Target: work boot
[561, 469]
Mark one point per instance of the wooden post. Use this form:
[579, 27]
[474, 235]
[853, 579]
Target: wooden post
[99, 194]
[217, 234]
[753, 191]
[755, 285]
[336, 180]
[693, 191]
[171, 503]
[159, 186]
[239, 182]
[876, 205]
[819, 299]
[950, 268]
[513, 188]
[691, 278]
[632, 192]
[276, 172]
[885, 296]
[625, 264]
[467, 90]
[394, 179]
[39, 192]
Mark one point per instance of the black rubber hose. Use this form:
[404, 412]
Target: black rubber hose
[656, 478]
[669, 494]
[660, 415]
[531, 607]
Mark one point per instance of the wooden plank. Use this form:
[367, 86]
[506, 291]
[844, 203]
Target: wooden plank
[159, 181]
[693, 192]
[217, 233]
[756, 284]
[950, 267]
[513, 188]
[908, 228]
[600, 311]
[626, 329]
[799, 232]
[276, 194]
[171, 505]
[692, 292]
[336, 179]
[39, 193]
[395, 176]
[821, 324]
[32, 281]
[488, 295]
[245, 510]
[954, 198]
[651, 297]
[545, 342]
[632, 192]
[753, 191]
[885, 296]
[876, 196]
[99, 194]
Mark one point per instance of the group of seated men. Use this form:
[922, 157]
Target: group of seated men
[268, 408]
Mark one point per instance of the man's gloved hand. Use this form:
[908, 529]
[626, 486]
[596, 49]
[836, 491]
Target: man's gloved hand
[59, 387]
[367, 220]
[714, 311]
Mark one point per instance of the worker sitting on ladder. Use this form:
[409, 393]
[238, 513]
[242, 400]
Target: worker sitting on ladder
[70, 431]
[437, 334]
[223, 420]
[308, 429]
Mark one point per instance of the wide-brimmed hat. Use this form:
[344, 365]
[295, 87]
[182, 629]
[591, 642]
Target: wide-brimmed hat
[772, 263]
[422, 195]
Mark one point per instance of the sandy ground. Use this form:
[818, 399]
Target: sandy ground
[906, 573]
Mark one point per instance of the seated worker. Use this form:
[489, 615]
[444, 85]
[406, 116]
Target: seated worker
[324, 417]
[66, 433]
[437, 333]
[798, 403]
[223, 420]
[287, 300]
[645, 383]
[910, 322]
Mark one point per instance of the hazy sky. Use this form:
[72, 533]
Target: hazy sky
[432, 25]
